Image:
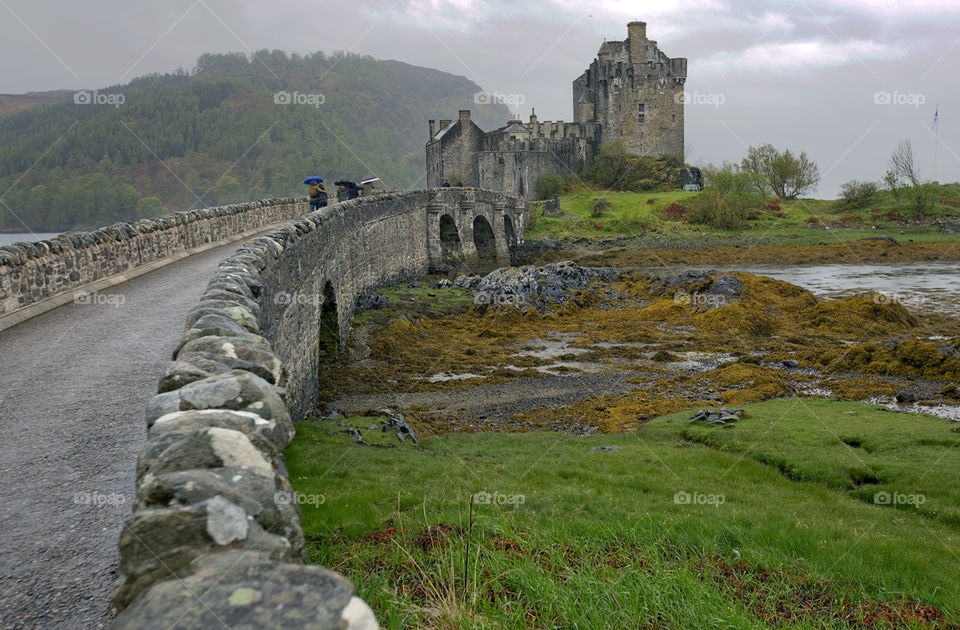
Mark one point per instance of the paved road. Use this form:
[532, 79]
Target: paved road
[73, 385]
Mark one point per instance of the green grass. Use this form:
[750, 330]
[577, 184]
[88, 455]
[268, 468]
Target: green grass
[635, 215]
[586, 539]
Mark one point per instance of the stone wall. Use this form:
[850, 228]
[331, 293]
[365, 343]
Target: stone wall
[31, 272]
[215, 516]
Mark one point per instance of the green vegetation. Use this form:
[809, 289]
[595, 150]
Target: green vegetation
[794, 222]
[784, 173]
[769, 523]
[727, 201]
[216, 135]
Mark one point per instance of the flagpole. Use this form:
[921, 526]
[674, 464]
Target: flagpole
[936, 140]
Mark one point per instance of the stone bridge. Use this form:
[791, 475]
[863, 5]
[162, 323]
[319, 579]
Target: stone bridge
[206, 515]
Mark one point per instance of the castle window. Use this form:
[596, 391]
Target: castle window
[641, 113]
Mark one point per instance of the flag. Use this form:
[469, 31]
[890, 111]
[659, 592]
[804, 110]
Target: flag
[936, 115]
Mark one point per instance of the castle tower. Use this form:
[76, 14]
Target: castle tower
[635, 92]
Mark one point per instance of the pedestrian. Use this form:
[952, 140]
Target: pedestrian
[317, 194]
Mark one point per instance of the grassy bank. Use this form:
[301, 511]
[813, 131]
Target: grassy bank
[769, 523]
[797, 222]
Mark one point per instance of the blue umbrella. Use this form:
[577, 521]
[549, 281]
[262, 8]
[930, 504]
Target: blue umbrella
[313, 178]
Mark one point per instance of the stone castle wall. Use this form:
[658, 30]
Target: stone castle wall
[214, 512]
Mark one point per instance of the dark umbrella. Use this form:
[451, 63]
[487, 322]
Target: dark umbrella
[313, 178]
[344, 182]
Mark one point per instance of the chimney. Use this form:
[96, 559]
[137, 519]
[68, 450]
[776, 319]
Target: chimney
[464, 117]
[533, 115]
[444, 124]
[433, 129]
[637, 31]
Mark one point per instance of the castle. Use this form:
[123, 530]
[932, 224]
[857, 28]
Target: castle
[632, 92]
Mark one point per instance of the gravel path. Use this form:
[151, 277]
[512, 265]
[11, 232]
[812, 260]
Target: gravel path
[73, 385]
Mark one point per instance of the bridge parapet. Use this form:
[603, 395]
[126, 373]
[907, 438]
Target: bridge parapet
[214, 512]
[56, 271]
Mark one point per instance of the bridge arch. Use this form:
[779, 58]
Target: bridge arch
[508, 231]
[484, 239]
[328, 339]
[451, 248]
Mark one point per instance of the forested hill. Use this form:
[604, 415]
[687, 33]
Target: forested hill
[235, 128]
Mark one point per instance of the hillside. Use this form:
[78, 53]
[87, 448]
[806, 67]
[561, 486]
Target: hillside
[218, 134]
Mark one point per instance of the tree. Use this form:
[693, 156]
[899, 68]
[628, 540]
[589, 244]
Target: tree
[902, 163]
[904, 168]
[727, 200]
[786, 174]
[892, 181]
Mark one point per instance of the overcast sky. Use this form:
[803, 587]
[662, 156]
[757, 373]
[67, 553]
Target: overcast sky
[841, 79]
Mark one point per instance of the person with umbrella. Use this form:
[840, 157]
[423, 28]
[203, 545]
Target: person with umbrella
[316, 192]
[347, 189]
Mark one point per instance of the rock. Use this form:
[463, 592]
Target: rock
[789, 363]
[247, 589]
[605, 448]
[542, 288]
[250, 353]
[905, 396]
[444, 284]
[721, 416]
[726, 285]
[398, 424]
[267, 497]
[368, 302]
[158, 544]
[211, 447]
[237, 390]
[276, 431]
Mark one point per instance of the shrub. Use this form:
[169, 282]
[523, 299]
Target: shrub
[674, 212]
[753, 216]
[850, 218]
[726, 203]
[856, 194]
[651, 200]
[947, 201]
[549, 185]
[893, 215]
[773, 204]
[813, 220]
[780, 215]
[598, 206]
